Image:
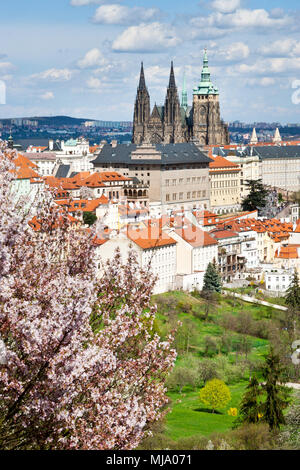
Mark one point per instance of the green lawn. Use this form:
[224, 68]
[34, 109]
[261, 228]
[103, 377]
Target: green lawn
[188, 416]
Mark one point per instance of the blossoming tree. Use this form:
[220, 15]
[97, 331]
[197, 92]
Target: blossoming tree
[81, 366]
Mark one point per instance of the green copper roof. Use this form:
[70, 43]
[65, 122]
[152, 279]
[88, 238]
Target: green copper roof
[184, 96]
[205, 86]
[71, 142]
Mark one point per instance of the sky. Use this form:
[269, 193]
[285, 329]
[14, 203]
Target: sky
[82, 57]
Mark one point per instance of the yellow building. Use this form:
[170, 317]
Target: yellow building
[225, 185]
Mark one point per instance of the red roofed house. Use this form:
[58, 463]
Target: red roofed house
[225, 185]
[155, 250]
[195, 249]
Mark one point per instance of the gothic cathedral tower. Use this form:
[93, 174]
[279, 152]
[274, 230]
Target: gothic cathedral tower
[175, 123]
[172, 115]
[207, 126]
[141, 110]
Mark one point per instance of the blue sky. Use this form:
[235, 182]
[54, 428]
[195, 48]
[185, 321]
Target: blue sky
[82, 57]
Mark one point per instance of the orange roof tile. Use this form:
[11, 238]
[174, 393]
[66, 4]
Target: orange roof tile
[146, 238]
[221, 163]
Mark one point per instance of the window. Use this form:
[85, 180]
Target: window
[167, 197]
[174, 196]
[180, 196]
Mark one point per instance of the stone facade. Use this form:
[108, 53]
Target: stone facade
[177, 175]
[177, 123]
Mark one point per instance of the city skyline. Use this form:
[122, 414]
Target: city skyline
[82, 57]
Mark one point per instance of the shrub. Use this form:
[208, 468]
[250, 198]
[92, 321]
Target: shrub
[251, 437]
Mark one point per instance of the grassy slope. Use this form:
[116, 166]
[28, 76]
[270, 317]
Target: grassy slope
[186, 418]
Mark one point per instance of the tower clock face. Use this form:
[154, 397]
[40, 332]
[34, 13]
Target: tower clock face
[202, 110]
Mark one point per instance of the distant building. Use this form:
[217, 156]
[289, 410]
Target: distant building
[177, 174]
[177, 122]
[225, 186]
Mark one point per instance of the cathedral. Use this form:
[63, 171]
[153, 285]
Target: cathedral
[177, 122]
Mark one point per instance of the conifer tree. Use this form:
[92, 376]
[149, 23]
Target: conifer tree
[277, 395]
[292, 298]
[212, 281]
[257, 197]
[250, 409]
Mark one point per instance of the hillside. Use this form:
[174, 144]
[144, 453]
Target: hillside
[225, 338]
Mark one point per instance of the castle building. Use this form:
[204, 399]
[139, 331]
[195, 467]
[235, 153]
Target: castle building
[177, 122]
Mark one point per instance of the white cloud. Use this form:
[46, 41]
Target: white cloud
[153, 37]
[233, 52]
[81, 3]
[6, 67]
[49, 95]
[94, 83]
[93, 58]
[267, 81]
[283, 47]
[55, 75]
[226, 6]
[280, 66]
[264, 82]
[119, 14]
[242, 18]
[156, 75]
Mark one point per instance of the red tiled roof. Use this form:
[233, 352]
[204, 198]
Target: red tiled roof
[287, 252]
[220, 163]
[195, 236]
[146, 238]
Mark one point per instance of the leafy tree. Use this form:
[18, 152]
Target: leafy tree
[215, 394]
[211, 347]
[207, 370]
[212, 281]
[292, 298]
[251, 408]
[277, 395]
[186, 335]
[180, 377]
[89, 218]
[256, 197]
[63, 385]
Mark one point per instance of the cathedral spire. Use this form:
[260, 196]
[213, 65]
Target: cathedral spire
[142, 83]
[184, 97]
[172, 83]
[277, 137]
[205, 76]
[254, 139]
